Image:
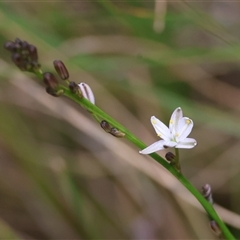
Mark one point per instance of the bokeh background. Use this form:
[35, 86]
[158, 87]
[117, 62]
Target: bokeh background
[62, 176]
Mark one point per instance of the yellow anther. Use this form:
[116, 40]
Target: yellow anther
[188, 121]
[154, 121]
[159, 135]
[171, 121]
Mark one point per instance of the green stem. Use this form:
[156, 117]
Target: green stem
[206, 205]
[97, 112]
[177, 161]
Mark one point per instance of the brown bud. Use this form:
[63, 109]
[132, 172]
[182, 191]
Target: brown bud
[32, 52]
[73, 87]
[24, 55]
[9, 46]
[106, 126]
[18, 41]
[16, 58]
[17, 44]
[50, 80]
[170, 156]
[61, 69]
[25, 45]
[19, 61]
[112, 130]
[116, 133]
[51, 91]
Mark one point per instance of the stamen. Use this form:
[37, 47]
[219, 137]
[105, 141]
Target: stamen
[154, 121]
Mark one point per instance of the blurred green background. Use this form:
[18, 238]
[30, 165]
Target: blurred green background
[62, 176]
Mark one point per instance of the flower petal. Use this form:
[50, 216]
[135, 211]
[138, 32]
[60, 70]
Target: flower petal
[169, 144]
[161, 129]
[153, 147]
[185, 126]
[174, 120]
[187, 143]
[87, 92]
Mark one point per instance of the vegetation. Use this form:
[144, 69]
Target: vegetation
[62, 176]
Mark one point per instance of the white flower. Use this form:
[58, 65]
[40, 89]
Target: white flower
[87, 92]
[174, 136]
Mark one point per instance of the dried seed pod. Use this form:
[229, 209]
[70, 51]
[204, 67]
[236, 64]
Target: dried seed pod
[116, 133]
[61, 69]
[50, 80]
[87, 92]
[105, 126]
[207, 193]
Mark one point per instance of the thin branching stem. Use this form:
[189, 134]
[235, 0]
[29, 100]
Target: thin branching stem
[100, 114]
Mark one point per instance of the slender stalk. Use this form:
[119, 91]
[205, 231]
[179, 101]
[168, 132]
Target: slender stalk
[100, 114]
[56, 89]
[177, 160]
[206, 205]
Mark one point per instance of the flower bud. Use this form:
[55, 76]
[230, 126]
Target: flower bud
[112, 130]
[87, 92]
[170, 156]
[106, 126]
[116, 133]
[17, 44]
[32, 52]
[24, 55]
[73, 87]
[18, 41]
[215, 228]
[9, 46]
[25, 45]
[207, 193]
[61, 69]
[51, 91]
[19, 61]
[50, 80]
